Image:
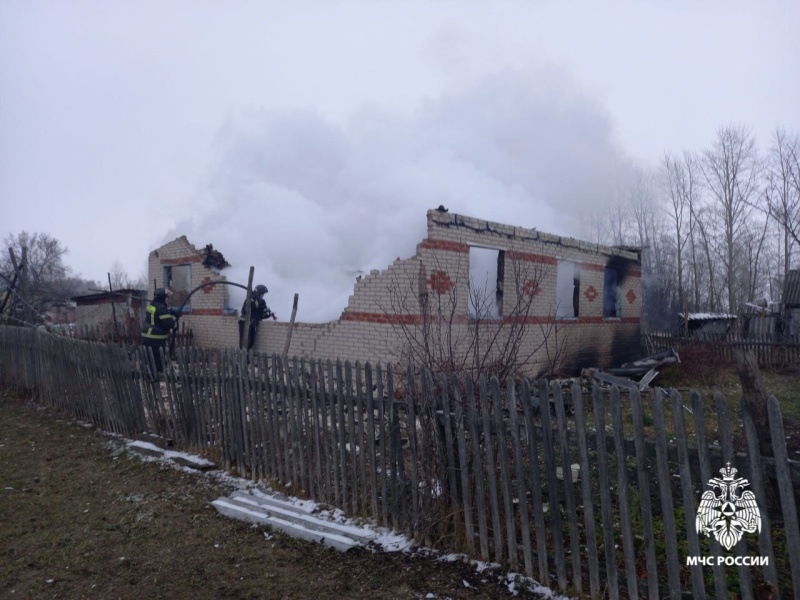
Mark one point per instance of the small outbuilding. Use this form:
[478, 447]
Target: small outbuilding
[791, 303]
[100, 310]
[705, 324]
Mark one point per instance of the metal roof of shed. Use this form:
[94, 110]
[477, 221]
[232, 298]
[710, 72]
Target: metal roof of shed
[709, 316]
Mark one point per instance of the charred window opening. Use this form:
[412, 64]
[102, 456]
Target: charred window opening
[501, 271]
[568, 284]
[486, 273]
[178, 280]
[612, 298]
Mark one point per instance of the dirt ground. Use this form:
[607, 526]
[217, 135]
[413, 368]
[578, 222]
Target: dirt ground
[81, 518]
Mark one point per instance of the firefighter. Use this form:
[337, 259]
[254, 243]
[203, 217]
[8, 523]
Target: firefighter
[258, 311]
[159, 320]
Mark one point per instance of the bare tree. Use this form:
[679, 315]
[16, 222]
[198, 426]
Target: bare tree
[44, 257]
[691, 193]
[617, 219]
[118, 276]
[731, 173]
[679, 187]
[641, 203]
[47, 278]
[782, 191]
[752, 242]
[634, 217]
[725, 208]
[499, 341]
[121, 280]
[647, 231]
[593, 227]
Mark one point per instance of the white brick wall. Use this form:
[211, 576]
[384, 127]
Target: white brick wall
[375, 323]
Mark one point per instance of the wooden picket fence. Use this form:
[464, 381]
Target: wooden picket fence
[126, 331]
[595, 495]
[769, 352]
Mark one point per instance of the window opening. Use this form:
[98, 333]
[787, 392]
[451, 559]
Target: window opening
[178, 280]
[486, 273]
[501, 272]
[612, 301]
[230, 304]
[568, 283]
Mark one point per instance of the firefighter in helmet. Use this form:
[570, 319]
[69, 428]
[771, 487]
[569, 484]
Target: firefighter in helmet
[258, 311]
[159, 320]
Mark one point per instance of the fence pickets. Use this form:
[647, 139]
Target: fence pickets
[486, 466]
[770, 351]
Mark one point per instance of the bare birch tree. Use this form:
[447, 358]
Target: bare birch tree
[731, 174]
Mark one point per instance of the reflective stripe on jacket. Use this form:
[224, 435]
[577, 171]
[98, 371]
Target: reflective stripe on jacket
[158, 321]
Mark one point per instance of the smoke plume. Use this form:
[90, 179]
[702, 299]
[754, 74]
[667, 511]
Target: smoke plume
[312, 203]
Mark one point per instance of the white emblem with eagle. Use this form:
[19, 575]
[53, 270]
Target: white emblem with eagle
[727, 511]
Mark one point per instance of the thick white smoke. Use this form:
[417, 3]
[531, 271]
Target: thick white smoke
[312, 204]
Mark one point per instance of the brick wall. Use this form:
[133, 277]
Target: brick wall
[92, 315]
[100, 309]
[212, 324]
[390, 308]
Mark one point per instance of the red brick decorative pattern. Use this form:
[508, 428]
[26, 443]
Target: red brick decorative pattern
[207, 289]
[366, 317]
[434, 244]
[631, 296]
[440, 282]
[591, 293]
[592, 267]
[180, 261]
[206, 312]
[531, 257]
[531, 288]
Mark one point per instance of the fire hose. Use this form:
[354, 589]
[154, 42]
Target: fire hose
[179, 311]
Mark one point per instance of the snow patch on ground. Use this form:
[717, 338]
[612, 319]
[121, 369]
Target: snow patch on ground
[382, 539]
[198, 460]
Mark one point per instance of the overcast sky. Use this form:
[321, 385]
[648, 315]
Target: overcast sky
[308, 138]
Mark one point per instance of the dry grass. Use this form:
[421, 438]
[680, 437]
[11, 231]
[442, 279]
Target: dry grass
[79, 518]
[708, 375]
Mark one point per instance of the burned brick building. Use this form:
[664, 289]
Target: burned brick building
[474, 292]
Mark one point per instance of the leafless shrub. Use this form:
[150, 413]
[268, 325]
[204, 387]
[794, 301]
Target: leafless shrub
[493, 331]
[700, 362]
